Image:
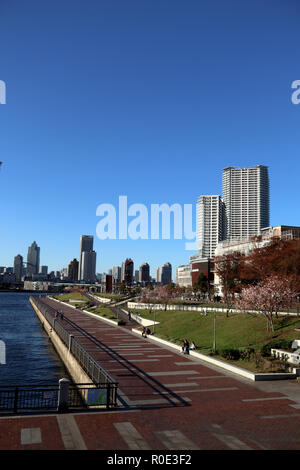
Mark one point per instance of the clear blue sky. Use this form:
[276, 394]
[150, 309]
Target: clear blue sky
[145, 98]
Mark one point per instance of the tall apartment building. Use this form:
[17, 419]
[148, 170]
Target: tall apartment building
[246, 199]
[210, 224]
[33, 259]
[87, 260]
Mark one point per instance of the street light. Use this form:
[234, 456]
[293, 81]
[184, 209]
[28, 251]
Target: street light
[214, 345]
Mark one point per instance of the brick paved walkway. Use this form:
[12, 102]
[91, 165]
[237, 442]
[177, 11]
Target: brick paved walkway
[169, 401]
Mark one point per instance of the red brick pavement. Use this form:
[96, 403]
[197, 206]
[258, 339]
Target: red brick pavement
[209, 414]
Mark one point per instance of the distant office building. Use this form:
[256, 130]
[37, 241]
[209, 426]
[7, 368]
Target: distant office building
[73, 270]
[7, 278]
[210, 224]
[144, 273]
[158, 275]
[108, 283]
[123, 271]
[128, 271]
[33, 259]
[9, 270]
[87, 260]
[2, 269]
[18, 267]
[88, 267]
[166, 273]
[116, 274]
[246, 199]
[136, 276]
[43, 270]
[184, 275]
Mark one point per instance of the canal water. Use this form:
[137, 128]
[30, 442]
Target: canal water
[30, 357]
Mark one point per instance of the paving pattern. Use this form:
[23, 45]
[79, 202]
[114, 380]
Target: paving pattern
[168, 401]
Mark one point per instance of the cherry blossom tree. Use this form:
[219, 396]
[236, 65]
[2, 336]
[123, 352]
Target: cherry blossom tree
[268, 297]
[159, 294]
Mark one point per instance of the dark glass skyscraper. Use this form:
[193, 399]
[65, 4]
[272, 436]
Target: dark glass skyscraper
[33, 259]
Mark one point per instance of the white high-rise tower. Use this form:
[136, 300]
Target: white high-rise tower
[210, 224]
[246, 199]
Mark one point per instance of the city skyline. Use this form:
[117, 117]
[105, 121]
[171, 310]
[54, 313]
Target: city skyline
[148, 101]
[209, 220]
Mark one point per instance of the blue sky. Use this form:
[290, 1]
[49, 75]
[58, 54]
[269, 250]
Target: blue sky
[145, 98]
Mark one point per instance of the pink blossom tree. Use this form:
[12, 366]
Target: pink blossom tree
[159, 294]
[268, 297]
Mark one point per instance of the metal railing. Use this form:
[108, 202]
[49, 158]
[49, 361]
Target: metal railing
[93, 369]
[22, 398]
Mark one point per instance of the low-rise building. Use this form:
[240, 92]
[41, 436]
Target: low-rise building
[184, 275]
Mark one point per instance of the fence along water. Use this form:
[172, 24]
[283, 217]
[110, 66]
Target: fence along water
[102, 392]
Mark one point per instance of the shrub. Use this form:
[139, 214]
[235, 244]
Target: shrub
[230, 354]
[275, 344]
[247, 353]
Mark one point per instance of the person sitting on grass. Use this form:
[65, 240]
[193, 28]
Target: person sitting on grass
[192, 346]
[185, 347]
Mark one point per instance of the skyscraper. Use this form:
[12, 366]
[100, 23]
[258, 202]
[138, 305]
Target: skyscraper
[128, 271]
[210, 224]
[18, 267]
[73, 270]
[166, 273]
[33, 259]
[116, 273]
[246, 199]
[87, 260]
[144, 273]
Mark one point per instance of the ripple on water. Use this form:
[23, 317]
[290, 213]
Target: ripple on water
[30, 356]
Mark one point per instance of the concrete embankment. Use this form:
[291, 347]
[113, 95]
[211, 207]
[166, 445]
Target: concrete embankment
[74, 369]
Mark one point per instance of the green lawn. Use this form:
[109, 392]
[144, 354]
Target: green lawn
[103, 312]
[238, 331]
[70, 295]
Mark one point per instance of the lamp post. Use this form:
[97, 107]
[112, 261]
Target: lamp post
[214, 344]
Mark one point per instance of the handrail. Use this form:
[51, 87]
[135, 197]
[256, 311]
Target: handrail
[76, 347]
